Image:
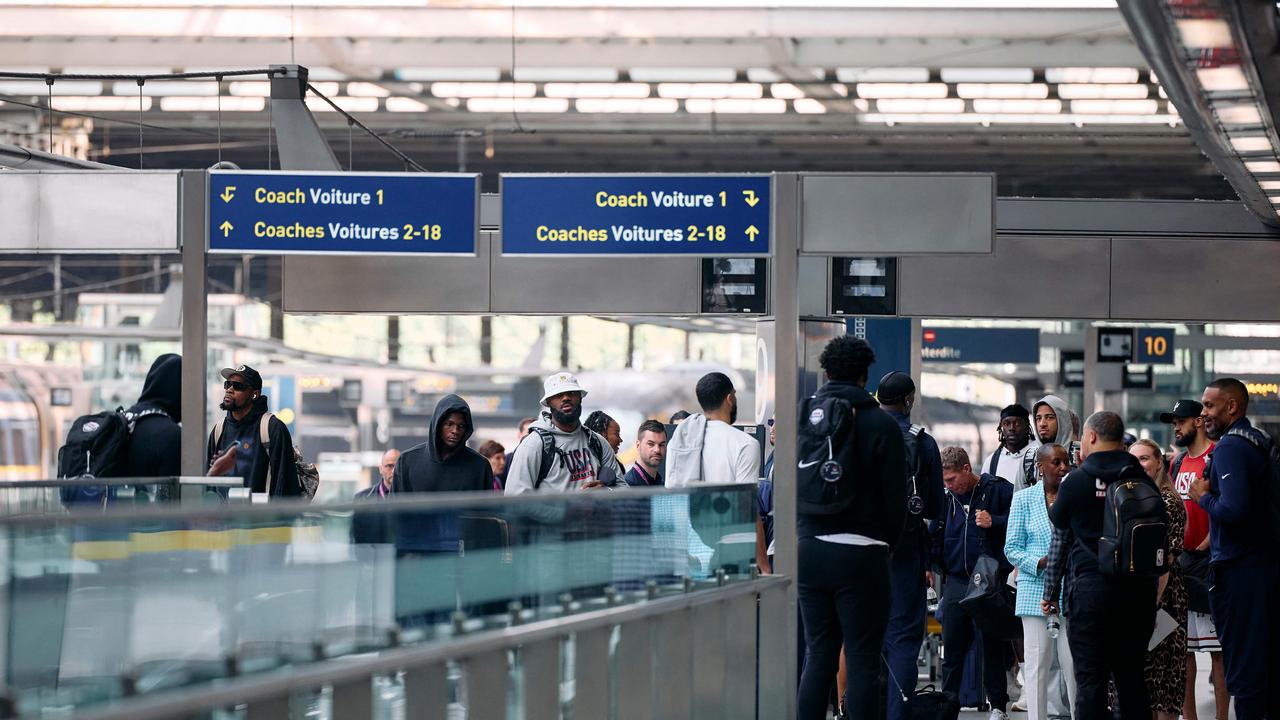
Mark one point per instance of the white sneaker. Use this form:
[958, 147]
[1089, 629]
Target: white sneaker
[998, 715]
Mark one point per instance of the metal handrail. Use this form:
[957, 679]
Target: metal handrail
[281, 683]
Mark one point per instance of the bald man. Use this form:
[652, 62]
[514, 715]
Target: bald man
[371, 527]
[1244, 563]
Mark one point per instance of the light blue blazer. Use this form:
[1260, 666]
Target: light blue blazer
[1025, 543]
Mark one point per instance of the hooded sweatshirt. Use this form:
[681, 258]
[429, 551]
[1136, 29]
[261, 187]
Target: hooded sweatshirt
[1063, 438]
[252, 460]
[572, 465]
[424, 468]
[155, 447]
[1082, 501]
[963, 542]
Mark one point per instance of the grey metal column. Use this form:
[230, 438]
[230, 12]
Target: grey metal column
[635, 652]
[591, 674]
[485, 678]
[426, 691]
[540, 664]
[786, 313]
[302, 145]
[740, 654]
[353, 700]
[192, 206]
[673, 669]
[276, 708]
[709, 660]
[1090, 404]
[777, 690]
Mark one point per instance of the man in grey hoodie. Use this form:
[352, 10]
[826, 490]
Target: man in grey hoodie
[559, 454]
[1051, 421]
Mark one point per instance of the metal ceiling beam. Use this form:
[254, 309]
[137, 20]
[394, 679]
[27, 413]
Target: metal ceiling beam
[1158, 38]
[15, 157]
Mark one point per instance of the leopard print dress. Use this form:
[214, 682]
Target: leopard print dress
[1166, 673]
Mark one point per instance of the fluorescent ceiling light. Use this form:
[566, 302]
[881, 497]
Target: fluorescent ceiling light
[710, 90]
[165, 87]
[1238, 114]
[350, 104]
[364, 89]
[1101, 91]
[101, 104]
[565, 74]
[596, 90]
[1115, 107]
[525, 105]
[1222, 79]
[405, 105]
[714, 75]
[1017, 107]
[736, 106]
[253, 88]
[29, 88]
[116, 70]
[179, 103]
[483, 90]
[1269, 184]
[902, 90]
[878, 75]
[1014, 91]
[987, 75]
[896, 105]
[1013, 119]
[434, 74]
[1251, 144]
[787, 91]
[1205, 34]
[1262, 166]
[328, 73]
[1091, 75]
[809, 106]
[768, 75]
[633, 106]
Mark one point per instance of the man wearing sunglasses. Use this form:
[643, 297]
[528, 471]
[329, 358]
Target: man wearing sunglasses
[266, 467]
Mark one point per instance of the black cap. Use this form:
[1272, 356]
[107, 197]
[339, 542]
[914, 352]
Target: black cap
[250, 375]
[894, 388]
[1182, 409]
[1015, 410]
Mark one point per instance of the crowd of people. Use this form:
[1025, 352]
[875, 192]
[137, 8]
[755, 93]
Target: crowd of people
[1122, 562]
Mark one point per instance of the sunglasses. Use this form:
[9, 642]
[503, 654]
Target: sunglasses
[234, 384]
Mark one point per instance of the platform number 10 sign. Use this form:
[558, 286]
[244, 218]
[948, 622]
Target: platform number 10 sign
[1153, 346]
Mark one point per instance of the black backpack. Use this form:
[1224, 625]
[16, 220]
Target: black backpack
[97, 446]
[1135, 529]
[1271, 450]
[550, 451]
[915, 501]
[825, 473]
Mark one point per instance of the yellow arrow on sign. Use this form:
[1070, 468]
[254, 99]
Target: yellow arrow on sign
[228, 193]
[752, 231]
[226, 228]
[751, 197]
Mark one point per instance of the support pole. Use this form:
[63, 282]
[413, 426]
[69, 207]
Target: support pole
[786, 313]
[1090, 404]
[195, 319]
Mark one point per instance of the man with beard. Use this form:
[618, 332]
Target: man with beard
[1242, 541]
[559, 453]
[1052, 421]
[1188, 467]
[651, 450]
[266, 467]
[706, 448]
[1016, 446]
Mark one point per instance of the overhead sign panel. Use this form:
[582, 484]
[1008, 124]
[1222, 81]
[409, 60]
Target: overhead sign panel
[708, 215]
[981, 345]
[1153, 345]
[327, 213]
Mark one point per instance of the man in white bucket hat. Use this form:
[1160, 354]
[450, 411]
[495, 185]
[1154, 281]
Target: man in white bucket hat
[559, 454]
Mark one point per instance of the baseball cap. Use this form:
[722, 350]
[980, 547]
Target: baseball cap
[894, 387]
[250, 375]
[558, 383]
[1182, 409]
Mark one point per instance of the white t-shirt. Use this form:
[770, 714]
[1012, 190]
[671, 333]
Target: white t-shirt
[729, 455]
[1009, 465]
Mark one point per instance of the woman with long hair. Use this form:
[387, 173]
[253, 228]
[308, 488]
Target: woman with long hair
[1166, 672]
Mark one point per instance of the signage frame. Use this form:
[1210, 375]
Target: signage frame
[475, 224]
[769, 224]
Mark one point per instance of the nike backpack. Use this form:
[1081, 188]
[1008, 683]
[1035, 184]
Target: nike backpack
[825, 472]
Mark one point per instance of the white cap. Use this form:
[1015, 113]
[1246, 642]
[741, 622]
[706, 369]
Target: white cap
[558, 383]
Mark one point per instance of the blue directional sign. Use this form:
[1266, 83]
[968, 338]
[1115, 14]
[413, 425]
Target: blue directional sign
[705, 215]
[323, 213]
[1153, 345]
[980, 345]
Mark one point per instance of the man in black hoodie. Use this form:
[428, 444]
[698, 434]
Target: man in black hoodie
[844, 557]
[155, 446]
[443, 463]
[270, 469]
[1111, 618]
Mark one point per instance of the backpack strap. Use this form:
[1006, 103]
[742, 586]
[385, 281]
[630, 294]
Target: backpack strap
[1176, 465]
[596, 448]
[995, 462]
[216, 434]
[548, 456]
[264, 438]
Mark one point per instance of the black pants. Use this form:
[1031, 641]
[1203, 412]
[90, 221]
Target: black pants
[959, 632]
[1111, 623]
[907, 617]
[844, 597]
[1244, 601]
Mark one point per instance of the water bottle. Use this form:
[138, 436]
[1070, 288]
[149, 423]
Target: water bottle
[1053, 626]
